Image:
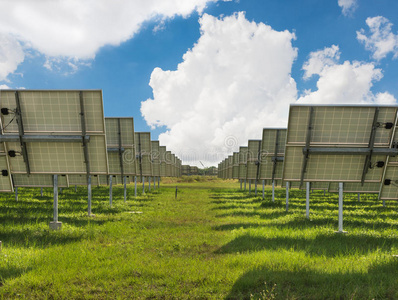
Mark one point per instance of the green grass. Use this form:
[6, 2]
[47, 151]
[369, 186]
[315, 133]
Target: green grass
[212, 242]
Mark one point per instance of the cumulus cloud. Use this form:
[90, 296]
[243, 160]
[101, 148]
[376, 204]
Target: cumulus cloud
[321, 59]
[349, 82]
[11, 55]
[347, 6]
[381, 41]
[232, 83]
[75, 29]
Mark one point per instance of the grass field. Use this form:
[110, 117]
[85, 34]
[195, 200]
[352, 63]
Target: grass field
[212, 242]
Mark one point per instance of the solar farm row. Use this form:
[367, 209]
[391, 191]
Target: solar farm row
[58, 138]
[350, 148]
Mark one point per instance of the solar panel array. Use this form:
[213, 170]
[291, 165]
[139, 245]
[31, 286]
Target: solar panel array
[325, 145]
[64, 132]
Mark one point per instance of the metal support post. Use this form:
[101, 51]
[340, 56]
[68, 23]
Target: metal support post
[110, 190]
[55, 225]
[125, 188]
[273, 190]
[287, 196]
[307, 202]
[89, 195]
[143, 185]
[135, 186]
[341, 195]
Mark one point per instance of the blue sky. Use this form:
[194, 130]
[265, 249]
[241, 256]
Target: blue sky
[207, 96]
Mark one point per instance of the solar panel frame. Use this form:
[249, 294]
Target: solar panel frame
[162, 156]
[39, 180]
[271, 164]
[155, 156]
[143, 151]
[123, 163]
[54, 113]
[339, 167]
[253, 159]
[243, 162]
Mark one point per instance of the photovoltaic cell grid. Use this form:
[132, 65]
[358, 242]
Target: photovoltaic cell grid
[162, 156]
[127, 143]
[254, 148]
[173, 165]
[143, 149]
[39, 180]
[242, 162]
[268, 153]
[235, 165]
[355, 187]
[155, 155]
[56, 113]
[168, 159]
[339, 127]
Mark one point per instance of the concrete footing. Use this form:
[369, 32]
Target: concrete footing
[55, 225]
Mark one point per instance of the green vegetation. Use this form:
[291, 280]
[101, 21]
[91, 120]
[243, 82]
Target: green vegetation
[212, 242]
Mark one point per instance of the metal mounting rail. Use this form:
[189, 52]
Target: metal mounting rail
[307, 144]
[18, 114]
[120, 147]
[258, 160]
[43, 138]
[139, 153]
[351, 151]
[84, 133]
[370, 146]
[274, 158]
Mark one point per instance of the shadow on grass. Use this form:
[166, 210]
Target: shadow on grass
[25, 223]
[330, 245]
[377, 283]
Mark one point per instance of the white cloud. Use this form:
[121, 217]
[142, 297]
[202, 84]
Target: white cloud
[232, 83]
[4, 87]
[381, 41]
[349, 82]
[321, 59]
[11, 55]
[75, 29]
[348, 6]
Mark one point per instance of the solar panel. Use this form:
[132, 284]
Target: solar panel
[44, 131]
[143, 151]
[155, 154]
[162, 157]
[355, 187]
[338, 143]
[38, 180]
[235, 165]
[5, 180]
[272, 153]
[120, 146]
[253, 162]
[168, 160]
[242, 162]
[173, 165]
[75, 179]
